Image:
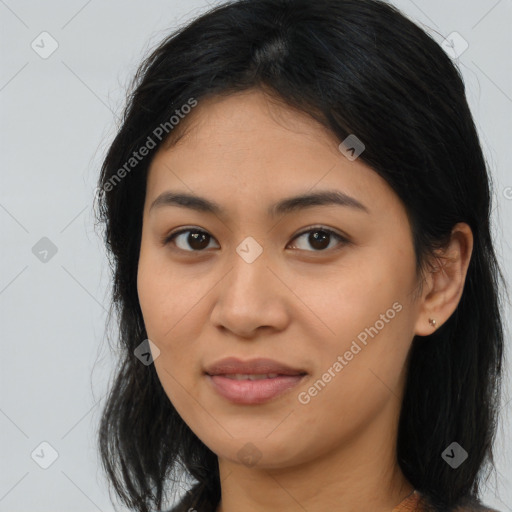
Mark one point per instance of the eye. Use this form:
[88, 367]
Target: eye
[320, 238]
[197, 239]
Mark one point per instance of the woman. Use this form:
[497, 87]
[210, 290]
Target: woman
[297, 209]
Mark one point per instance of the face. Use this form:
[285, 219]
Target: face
[325, 289]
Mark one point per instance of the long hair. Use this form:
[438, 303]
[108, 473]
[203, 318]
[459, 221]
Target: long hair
[359, 67]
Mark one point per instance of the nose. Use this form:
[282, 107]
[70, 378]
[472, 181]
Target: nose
[251, 297]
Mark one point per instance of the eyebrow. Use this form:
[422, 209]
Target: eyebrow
[285, 206]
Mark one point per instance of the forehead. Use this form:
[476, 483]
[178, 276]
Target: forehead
[246, 119]
[253, 146]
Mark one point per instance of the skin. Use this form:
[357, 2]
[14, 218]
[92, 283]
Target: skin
[295, 303]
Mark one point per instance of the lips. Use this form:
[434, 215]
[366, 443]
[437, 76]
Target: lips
[252, 382]
[232, 366]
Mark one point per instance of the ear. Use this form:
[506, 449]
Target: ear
[445, 281]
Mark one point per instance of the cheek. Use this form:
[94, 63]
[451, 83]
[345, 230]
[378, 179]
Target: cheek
[359, 374]
[164, 313]
[168, 326]
[163, 294]
[152, 299]
[365, 310]
[353, 298]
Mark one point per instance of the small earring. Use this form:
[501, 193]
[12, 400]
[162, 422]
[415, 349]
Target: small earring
[432, 322]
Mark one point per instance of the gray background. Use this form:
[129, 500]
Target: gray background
[57, 119]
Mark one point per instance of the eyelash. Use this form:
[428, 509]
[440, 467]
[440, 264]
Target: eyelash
[343, 240]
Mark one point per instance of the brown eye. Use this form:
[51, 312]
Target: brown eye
[320, 238]
[196, 240]
[191, 240]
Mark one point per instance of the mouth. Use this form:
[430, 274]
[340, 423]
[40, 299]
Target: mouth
[253, 389]
[259, 366]
[251, 376]
[252, 382]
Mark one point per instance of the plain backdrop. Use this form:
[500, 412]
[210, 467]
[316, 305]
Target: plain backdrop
[57, 118]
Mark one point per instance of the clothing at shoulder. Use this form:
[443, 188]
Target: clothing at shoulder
[412, 503]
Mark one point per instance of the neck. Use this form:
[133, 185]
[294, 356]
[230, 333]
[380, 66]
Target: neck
[362, 470]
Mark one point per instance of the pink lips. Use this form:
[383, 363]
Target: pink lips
[252, 391]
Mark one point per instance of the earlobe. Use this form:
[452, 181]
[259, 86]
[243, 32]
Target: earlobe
[446, 281]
